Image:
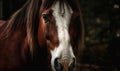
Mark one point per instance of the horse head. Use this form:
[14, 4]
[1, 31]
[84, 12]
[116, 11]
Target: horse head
[62, 28]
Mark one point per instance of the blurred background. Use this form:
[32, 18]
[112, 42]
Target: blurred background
[102, 32]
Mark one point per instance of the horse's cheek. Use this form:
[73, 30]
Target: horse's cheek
[41, 33]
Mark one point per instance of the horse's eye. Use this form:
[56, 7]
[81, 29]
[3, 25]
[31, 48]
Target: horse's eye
[45, 17]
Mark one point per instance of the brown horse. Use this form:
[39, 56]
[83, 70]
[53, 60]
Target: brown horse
[43, 35]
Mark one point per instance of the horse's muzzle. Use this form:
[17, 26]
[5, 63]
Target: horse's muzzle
[64, 64]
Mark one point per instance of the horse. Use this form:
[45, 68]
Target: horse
[43, 35]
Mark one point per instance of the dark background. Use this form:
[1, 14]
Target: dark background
[102, 32]
[8, 7]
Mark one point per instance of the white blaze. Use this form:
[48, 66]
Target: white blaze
[62, 22]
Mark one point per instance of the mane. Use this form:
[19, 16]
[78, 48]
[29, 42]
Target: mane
[27, 18]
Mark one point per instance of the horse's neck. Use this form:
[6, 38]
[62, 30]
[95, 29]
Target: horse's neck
[16, 40]
[2, 22]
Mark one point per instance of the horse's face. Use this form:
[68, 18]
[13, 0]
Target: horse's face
[59, 33]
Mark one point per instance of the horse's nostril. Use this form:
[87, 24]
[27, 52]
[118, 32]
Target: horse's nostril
[58, 66]
[66, 64]
[72, 65]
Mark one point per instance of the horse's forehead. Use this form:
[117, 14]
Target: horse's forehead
[62, 18]
[64, 10]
